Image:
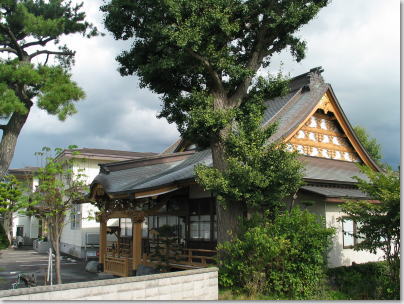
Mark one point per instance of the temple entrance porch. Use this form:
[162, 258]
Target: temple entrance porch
[166, 234]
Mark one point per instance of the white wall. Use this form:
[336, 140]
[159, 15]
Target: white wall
[338, 256]
[77, 237]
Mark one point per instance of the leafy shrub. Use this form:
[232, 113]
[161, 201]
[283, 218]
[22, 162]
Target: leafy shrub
[365, 281]
[283, 257]
[4, 243]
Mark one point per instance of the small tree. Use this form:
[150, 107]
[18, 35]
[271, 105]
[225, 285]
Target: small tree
[379, 222]
[10, 194]
[59, 188]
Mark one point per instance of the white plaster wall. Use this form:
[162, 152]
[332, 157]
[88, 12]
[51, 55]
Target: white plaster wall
[76, 237]
[338, 256]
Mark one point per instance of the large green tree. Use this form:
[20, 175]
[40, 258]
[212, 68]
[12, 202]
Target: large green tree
[27, 29]
[202, 56]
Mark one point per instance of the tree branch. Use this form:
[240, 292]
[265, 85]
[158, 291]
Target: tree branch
[38, 42]
[257, 55]
[50, 53]
[3, 127]
[14, 41]
[215, 77]
[8, 49]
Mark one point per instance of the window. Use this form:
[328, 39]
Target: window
[200, 227]
[349, 227]
[75, 217]
[126, 226]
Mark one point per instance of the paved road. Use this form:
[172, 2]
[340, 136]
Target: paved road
[26, 260]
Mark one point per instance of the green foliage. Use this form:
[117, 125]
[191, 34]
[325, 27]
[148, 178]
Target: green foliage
[202, 55]
[4, 243]
[258, 173]
[368, 281]
[10, 194]
[284, 257]
[60, 186]
[52, 86]
[380, 222]
[370, 144]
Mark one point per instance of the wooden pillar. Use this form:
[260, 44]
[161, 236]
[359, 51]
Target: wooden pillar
[137, 221]
[103, 239]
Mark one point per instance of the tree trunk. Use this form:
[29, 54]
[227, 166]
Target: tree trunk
[8, 220]
[54, 234]
[227, 215]
[9, 140]
[57, 262]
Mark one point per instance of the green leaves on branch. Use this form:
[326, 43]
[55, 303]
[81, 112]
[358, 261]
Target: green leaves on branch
[10, 194]
[182, 48]
[61, 185]
[379, 223]
[53, 87]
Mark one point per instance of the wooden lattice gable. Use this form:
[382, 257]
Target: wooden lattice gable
[326, 133]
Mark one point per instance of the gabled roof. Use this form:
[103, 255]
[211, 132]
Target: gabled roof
[308, 93]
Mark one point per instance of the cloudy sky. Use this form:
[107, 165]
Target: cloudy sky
[356, 42]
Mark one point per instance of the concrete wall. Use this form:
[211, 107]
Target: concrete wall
[198, 284]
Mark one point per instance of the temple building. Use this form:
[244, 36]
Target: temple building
[153, 212]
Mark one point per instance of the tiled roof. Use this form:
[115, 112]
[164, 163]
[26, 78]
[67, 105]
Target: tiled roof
[336, 192]
[331, 170]
[148, 177]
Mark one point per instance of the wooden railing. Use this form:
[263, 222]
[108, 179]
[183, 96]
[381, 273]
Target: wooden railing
[119, 249]
[182, 258]
[118, 266]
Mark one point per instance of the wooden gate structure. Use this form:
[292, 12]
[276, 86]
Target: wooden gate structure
[123, 256]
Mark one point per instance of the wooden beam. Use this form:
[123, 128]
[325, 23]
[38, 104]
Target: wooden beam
[103, 239]
[158, 191]
[137, 223]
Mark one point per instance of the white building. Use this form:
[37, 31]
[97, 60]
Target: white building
[23, 225]
[80, 235]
